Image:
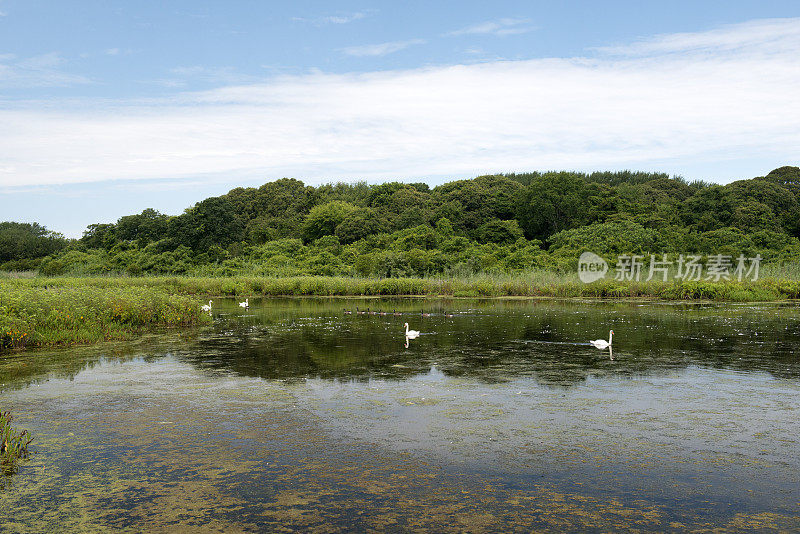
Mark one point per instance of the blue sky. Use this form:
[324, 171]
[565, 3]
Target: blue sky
[109, 108]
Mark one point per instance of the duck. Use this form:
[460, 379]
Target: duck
[206, 307]
[425, 314]
[602, 343]
[245, 304]
[396, 313]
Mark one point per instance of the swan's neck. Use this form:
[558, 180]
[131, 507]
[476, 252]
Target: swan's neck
[610, 335]
[406, 328]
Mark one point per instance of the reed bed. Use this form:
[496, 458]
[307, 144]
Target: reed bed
[136, 290]
[34, 312]
[13, 444]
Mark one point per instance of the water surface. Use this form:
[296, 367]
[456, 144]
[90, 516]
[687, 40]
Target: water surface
[500, 417]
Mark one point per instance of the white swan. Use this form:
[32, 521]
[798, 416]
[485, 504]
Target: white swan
[411, 334]
[246, 303]
[602, 343]
[206, 307]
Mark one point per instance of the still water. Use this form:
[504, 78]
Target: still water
[499, 417]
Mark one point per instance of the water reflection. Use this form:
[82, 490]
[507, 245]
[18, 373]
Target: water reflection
[492, 341]
[495, 341]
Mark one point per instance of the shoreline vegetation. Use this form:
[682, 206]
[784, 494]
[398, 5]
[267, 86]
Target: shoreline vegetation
[13, 444]
[54, 311]
[43, 312]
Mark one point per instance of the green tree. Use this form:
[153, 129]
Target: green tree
[471, 203]
[25, 241]
[210, 222]
[324, 218]
[144, 228]
[359, 224]
[500, 232]
[552, 203]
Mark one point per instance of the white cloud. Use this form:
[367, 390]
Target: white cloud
[112, 51]
[36, 71]
[344, 19]
[181, 76]
[732, 98]
[761, 36]
[501, 27]
[334, 19]
[380, 49]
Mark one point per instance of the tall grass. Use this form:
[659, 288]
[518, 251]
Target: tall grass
[13, 444]
[71, 311]
[531, 284]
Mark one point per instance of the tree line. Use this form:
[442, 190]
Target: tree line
[493, 223]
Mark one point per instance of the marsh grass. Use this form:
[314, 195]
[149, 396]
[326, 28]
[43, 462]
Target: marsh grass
[18, 274]
[37, 313]
[135, 292]
[13, 444]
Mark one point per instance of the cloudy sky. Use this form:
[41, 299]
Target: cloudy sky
[111, 107]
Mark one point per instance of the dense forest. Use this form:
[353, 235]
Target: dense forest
[497, 223]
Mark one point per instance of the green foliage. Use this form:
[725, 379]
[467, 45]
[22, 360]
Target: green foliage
[144, 228]
[210, 222]
[76, 311]
[13, 444]
[359, 224]
[500, 232]
[607, 239]
[491, 224]
[552, 203]
[468, 204]
[22, 241]
[324, 218]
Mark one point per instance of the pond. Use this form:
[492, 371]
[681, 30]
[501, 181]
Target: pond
[500, 417]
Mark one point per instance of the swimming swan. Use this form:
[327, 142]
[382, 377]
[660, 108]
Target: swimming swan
[602, 343]
[411, 334]
[206, 307]
[246, 303]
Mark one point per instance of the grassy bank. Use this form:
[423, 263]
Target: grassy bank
[149, 294]
[41, 312]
